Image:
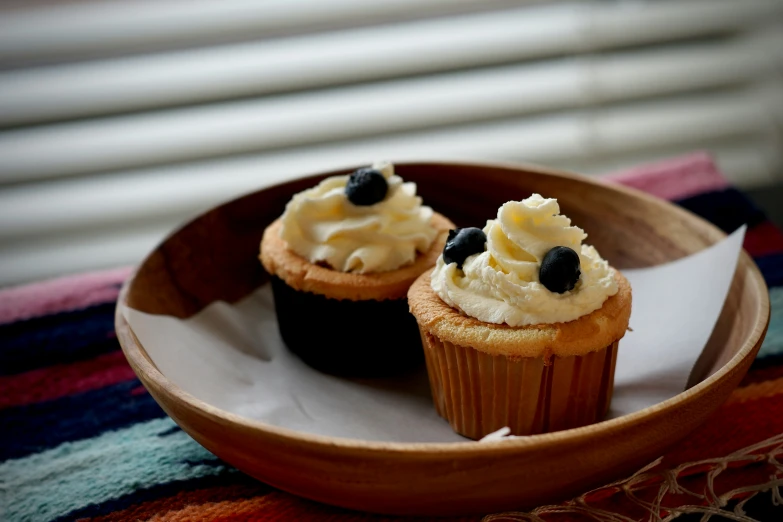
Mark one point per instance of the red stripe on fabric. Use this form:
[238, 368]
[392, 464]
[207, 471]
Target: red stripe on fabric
[181, 500]
[675, 178]
[65, 379]
[764, 238]
[282, 507]
[734, 426]
[61, 294]
[758, 375]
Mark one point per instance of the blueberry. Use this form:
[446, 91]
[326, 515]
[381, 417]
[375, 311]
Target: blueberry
[462, 243]
[366, 187]
[560, 270]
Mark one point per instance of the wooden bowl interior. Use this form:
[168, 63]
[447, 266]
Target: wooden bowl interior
[215, 257]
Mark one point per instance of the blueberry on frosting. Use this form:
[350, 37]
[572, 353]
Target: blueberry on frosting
[560, 270]
[463, 243]
[366, 187]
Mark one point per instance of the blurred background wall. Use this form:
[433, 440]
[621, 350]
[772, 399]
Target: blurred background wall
[120, 120]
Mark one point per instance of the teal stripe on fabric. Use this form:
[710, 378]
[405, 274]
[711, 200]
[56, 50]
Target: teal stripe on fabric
[73, 475]
[773, 343]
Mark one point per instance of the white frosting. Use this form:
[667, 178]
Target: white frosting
[322, 225]
[501, 285]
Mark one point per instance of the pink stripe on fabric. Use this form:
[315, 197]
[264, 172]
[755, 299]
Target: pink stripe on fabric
[674, 178]
[61, 294]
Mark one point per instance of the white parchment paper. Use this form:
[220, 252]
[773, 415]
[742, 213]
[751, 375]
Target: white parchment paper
[232, 357]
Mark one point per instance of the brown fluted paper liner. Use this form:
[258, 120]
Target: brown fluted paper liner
[479, 393]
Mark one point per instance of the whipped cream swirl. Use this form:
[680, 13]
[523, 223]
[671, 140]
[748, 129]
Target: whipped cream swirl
[501, 284]
[323, 226]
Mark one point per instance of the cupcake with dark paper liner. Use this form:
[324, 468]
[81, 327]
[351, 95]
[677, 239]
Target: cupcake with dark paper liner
[520, 324]
[341, 260]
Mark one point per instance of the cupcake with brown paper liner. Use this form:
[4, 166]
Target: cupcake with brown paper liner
[520, 324]
[341, 259]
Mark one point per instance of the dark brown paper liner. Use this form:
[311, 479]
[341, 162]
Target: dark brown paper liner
[347, 338]
[479, 393]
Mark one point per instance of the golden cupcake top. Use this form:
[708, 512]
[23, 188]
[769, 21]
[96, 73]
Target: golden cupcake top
[589, 333]
[528, 266]
[368, 222]
[300, 274]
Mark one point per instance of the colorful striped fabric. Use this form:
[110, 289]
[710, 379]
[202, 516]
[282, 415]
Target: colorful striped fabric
[82, 440]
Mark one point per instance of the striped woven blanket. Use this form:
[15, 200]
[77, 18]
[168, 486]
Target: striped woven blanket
[81, 439]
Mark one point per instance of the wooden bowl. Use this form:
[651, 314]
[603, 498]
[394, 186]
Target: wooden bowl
[214, 257]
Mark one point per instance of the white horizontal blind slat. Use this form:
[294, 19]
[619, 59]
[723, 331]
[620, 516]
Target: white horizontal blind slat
[584, 135]
[553, 84]
[358, 55]
[260, 68]
[748, 162]
[133, 24]
[66, 254]
[354, 112]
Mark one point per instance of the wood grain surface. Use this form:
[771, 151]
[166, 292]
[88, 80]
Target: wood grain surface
[215, 257]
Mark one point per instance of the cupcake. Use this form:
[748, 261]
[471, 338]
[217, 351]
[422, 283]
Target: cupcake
[520, 324]
[341, 259]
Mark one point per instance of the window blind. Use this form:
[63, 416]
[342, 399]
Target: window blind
[120, 120]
